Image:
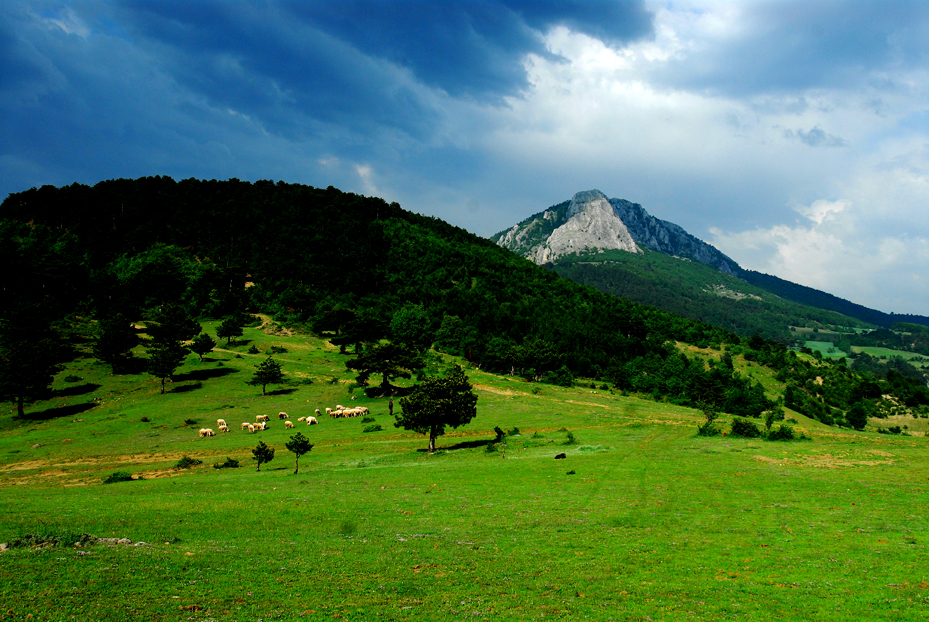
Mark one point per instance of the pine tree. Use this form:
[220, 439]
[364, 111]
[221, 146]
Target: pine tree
[202, 344]
[263, 454]
[298, 445]
[268, 372]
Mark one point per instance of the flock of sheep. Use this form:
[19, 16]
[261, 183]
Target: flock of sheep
[262, 421]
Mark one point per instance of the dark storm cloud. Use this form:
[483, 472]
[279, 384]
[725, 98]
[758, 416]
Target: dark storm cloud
[784, 47]
[471, 48]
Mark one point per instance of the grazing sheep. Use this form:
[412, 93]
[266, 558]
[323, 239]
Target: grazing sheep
[283, 415]
[202, 432]
[246, 425]
[224, 428]
[302, 419]
[288, 424]
[261, 426]
[251, 428]
[354, 398]
[220, 423]
[329, 411]
[317, 412]
[339, 407]
[311, 421]
[260, 418]
[206, 432]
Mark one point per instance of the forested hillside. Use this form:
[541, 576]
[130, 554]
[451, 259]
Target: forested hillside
[355, 268]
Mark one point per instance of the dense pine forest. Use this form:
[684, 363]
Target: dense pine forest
[91, 262]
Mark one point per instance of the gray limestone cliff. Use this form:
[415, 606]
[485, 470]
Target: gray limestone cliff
[591, 222]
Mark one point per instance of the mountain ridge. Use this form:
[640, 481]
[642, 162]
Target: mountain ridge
[533, 238]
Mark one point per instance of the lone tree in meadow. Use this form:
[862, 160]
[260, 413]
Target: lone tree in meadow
[229, 328]
[28, 364]
[263, 454]
[202, 344]
[268, 372]
[440, 401]
[164, 359]
[298, 445]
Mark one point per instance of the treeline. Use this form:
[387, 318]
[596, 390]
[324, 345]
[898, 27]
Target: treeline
[355, 268]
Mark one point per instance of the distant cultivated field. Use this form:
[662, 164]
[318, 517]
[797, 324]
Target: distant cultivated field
[827, 349]
[887, 352]
[642, 520]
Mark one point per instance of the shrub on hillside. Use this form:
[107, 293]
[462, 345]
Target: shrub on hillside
[782, 432]
[367, 420]
[118, 476]
[372, 428]
[187, 462]
[709, 427]
[228, 464]
[745, 428]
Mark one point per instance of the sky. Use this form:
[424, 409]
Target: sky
[793, 136]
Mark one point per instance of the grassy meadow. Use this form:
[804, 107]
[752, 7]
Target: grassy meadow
[643, 520]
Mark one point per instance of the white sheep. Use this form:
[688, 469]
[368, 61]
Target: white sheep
[224, 428]
[329, 411]
[283, 415]
[302, 419]
[261, 426]
[246, 425]
[288, 424]
[220, 423]
[311, 421]
[260, 418]
[206, 432]
[317, 412]
[251, 428]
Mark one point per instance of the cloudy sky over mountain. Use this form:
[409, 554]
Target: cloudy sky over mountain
[792, 135]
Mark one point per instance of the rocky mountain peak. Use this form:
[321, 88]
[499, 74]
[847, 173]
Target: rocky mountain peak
[591, 222]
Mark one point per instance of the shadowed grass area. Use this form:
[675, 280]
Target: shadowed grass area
[654, 522]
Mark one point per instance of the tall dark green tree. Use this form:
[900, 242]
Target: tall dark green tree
[262, 454]
[202, 344]
[164, 359]
[267, 372]
[28, 364]
[170, 322]
[230, 328]
[410, 326]
[116, 337]
[439, 402]
[298, 445]
[390, 361]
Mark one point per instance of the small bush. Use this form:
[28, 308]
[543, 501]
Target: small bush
[894, 429]
[333, 380]
[745, 428]
[536, 390]
[73, 378]
[228, 464]
[782, 433]
[118, 476]
[490, 448]
[186, 462]
[793, 421]
[367, 419]
[571, 472]
[306, 381]
[145, 420]
[373, 428]
[513, 432]
[190, 422]
[570, 440]
[537, 435]
[709, 428]
[604, 387]
[499, 432]
[278, 350]
[252, 349]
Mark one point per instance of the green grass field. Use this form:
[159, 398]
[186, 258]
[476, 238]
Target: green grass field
[913, 358]
[642, 520]
[827, 349]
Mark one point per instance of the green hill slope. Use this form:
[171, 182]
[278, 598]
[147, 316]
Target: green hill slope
[696, 291]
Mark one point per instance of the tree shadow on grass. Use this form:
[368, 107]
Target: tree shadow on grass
[204, 374]
[57, 412]
[187, 387]
[81, 389]
[287, 391]
[463, 445]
